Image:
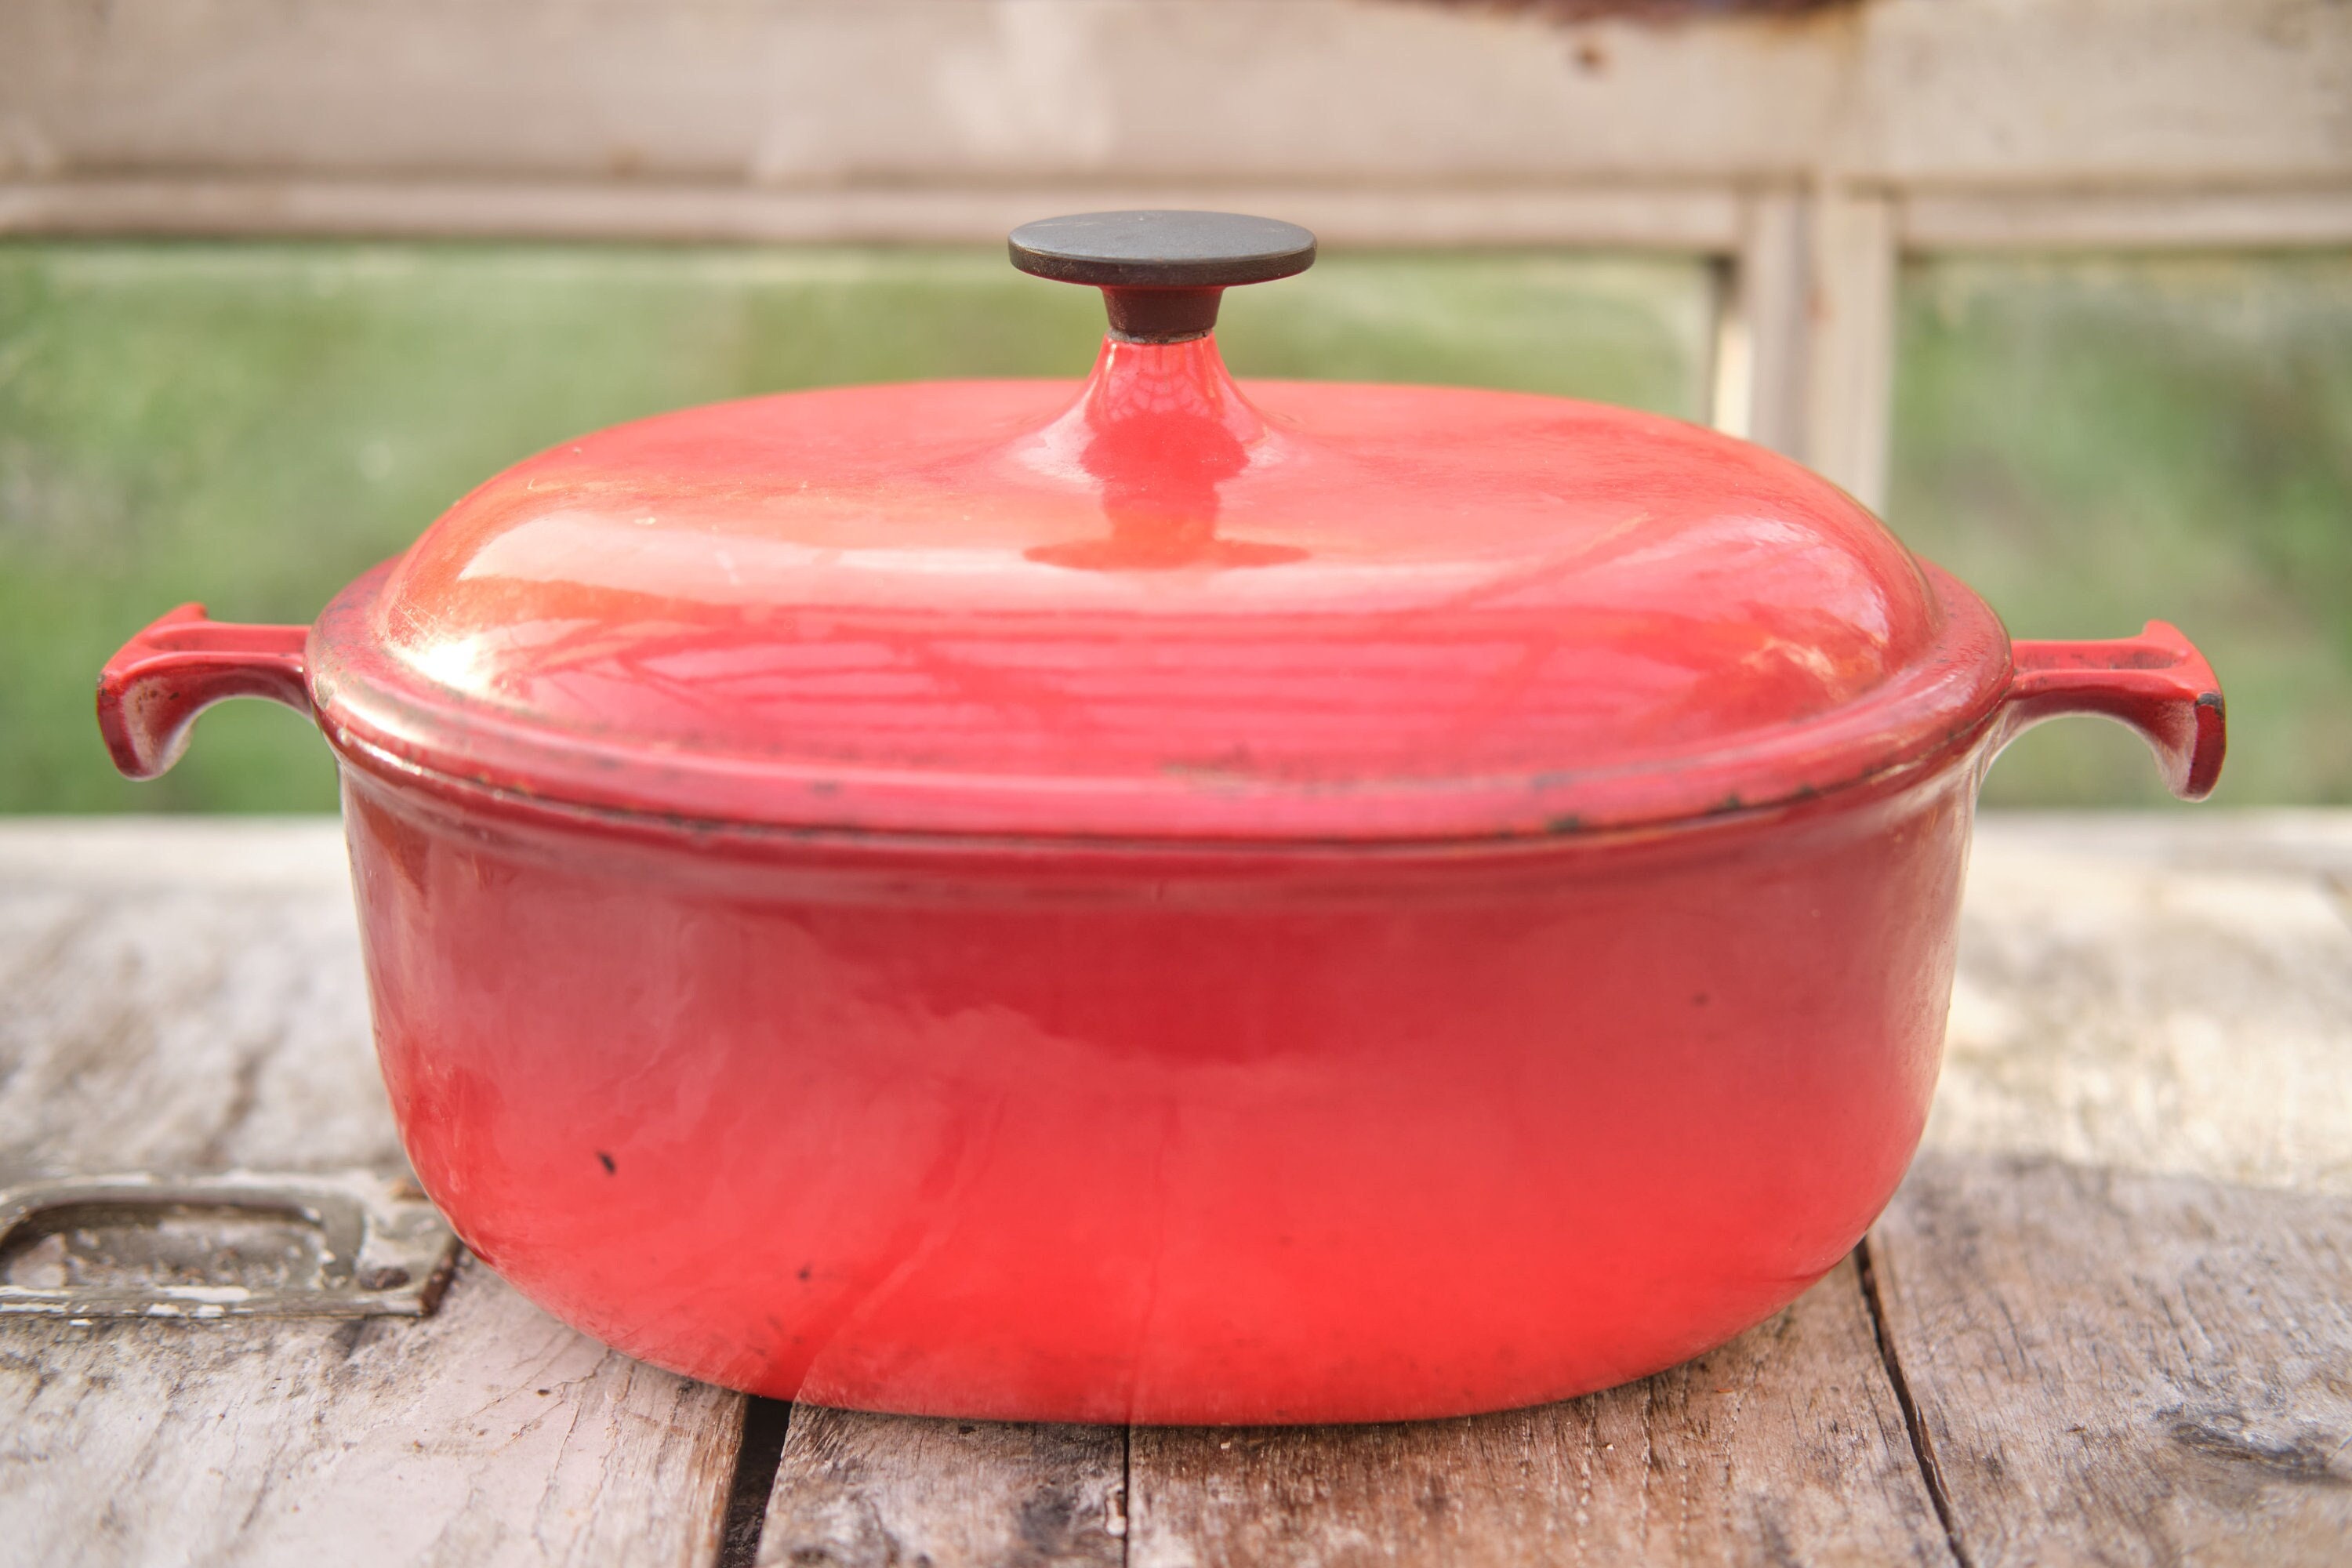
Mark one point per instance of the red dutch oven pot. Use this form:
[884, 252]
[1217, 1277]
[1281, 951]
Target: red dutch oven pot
[1166, 900]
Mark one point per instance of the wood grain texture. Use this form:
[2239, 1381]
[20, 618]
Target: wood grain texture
[2120, 1369]
[2127, 220]
[1787, 1444]
[187, 996]
[490, 1434]
[855, 1490]
[810, 94]
[2107, 1367]
[2298, 841]
[2157, 993]
[1663, 217]
[182, 997]
[2114, 969]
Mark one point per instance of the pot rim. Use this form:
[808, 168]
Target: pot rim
[1939, 706]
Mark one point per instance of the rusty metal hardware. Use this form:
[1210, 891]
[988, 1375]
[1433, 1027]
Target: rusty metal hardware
[238, 1245]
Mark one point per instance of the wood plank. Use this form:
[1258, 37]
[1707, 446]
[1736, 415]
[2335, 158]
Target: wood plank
[114, 893]
[488, 1434]
[1848, 317]
[1763, 339]
[1657, 217]
[191, 1002]
[186, 996]
[2121, 1369]
[1787, 1444]
[2156, 993]
[819, 94]
[2292, 840]
[1739, 1456]
[2128, 220]
[855, 1490]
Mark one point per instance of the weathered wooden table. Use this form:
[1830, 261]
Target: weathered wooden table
[2108, 1320]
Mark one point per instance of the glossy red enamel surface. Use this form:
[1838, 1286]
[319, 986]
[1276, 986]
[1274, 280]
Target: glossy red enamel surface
[151, 692]
[1095, 1135]
[1159, 605]
[1155, 901]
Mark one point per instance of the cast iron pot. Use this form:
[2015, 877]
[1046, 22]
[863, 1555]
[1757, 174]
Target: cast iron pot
[1150, 902]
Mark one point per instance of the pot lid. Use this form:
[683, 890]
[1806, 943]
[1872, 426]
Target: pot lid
[1159, 604]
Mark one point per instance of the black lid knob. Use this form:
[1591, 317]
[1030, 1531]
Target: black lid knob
[1162, 273]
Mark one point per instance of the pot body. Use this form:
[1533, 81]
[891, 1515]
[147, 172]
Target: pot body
[1162, 1135]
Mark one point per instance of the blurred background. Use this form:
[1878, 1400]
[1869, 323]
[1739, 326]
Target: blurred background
[2062, 287]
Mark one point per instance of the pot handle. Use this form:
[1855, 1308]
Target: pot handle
[2155, 682]
[180, 664]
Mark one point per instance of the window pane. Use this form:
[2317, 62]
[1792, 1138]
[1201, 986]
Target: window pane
[253, 425]
[2091, 443]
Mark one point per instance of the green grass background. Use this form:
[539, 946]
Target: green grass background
[2096, 442]
[251, 425]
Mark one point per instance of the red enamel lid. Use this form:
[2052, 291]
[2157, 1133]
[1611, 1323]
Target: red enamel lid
[1158, 604]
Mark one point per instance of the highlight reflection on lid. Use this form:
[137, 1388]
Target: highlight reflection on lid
[1158, 602]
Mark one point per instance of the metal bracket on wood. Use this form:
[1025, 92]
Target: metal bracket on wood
[238, 1244]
